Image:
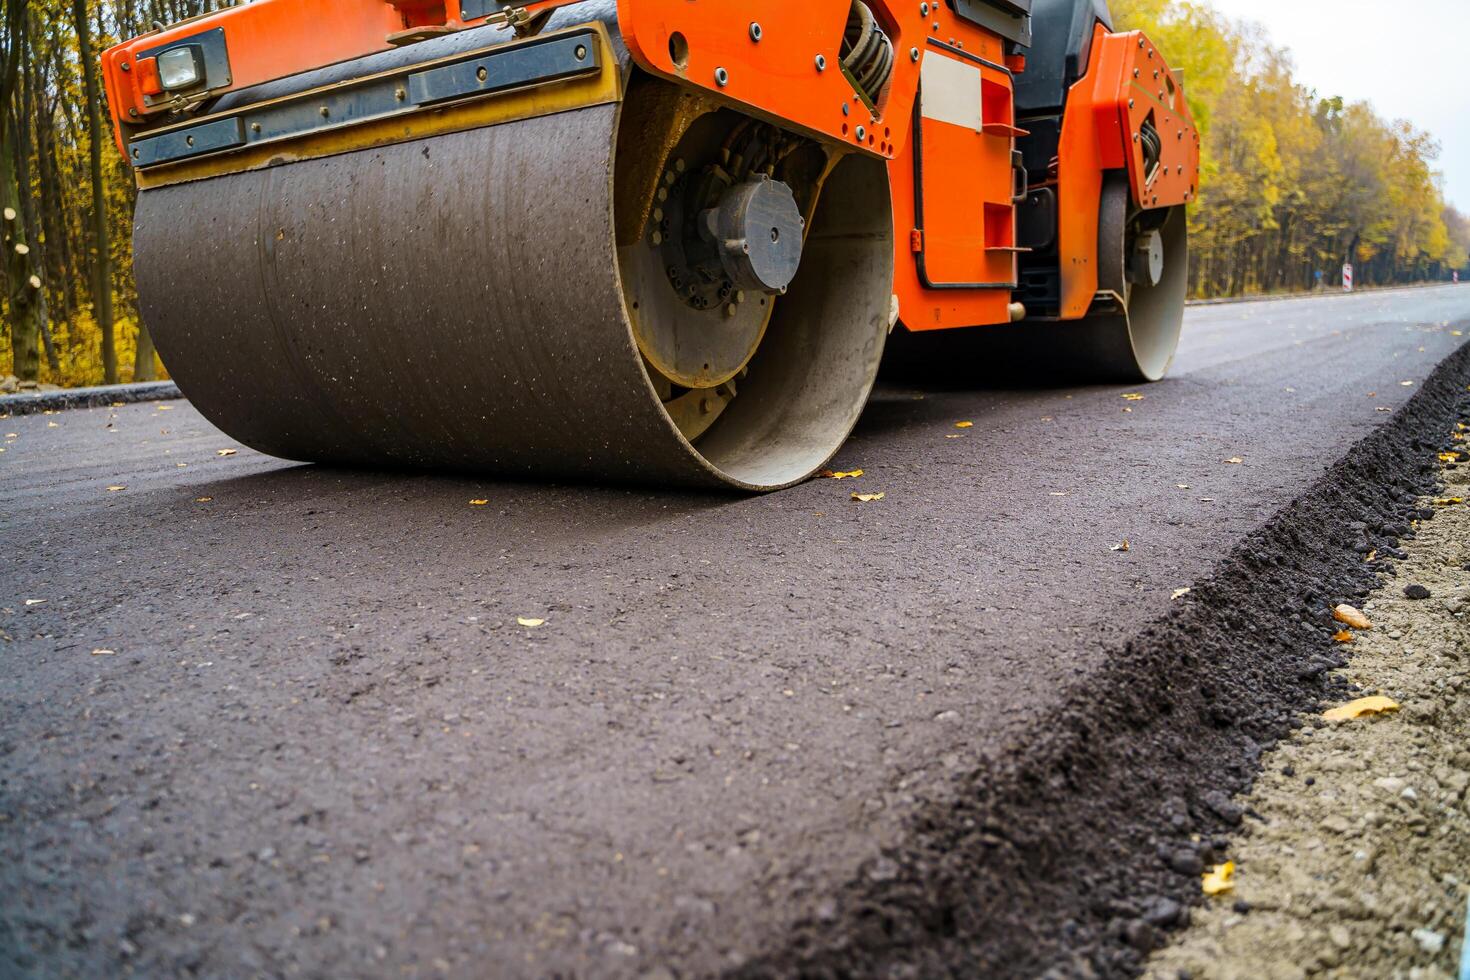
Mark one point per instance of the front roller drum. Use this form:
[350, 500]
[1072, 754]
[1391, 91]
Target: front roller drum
[539, 298]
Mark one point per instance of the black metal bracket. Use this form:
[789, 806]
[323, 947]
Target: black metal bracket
[476, 75]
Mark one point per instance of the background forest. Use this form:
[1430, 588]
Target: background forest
[1295, 182]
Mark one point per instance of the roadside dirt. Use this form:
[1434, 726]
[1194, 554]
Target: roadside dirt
[1355, 861]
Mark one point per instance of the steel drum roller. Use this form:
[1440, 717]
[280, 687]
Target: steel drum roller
[459, 302]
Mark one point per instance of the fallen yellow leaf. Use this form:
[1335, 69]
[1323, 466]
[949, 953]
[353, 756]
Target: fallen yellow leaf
[1352, 616]
[530, 623]
[116, 488]
[225, 452]
[1343, 636]
[835, 475]
[868, 498]
[478, 503]
[100, 652]
[1406, 384]
[1235, 460]
[1133, 396]
[1179, 593]
[165, 408]
[1375, 705]
[202, 500]
[955, 435]
[1447, 501]
[1219, 879]
[1449, 457]
[964, 425]
[1121, 545]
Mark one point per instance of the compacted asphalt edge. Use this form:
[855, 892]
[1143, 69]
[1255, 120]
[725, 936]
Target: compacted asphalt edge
[1073, 854]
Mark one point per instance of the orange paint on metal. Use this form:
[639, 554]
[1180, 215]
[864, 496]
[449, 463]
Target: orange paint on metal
[145, 70]
[763, 56]
[1106, 109]
[964, 194]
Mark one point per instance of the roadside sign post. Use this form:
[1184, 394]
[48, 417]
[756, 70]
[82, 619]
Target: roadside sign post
[1347, 277]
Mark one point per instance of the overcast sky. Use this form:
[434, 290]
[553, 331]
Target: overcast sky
[1410, 58]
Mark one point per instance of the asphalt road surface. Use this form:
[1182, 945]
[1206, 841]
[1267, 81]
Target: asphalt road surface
[259, 718]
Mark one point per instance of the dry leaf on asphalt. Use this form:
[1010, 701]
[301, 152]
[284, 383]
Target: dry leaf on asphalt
[1449, 457]
[1235, 460]
[115, 489]
[1407, 384]
[1375, 705]
[836, 475]
[868, 498]
[1133, 396]
[478, 503]
[1179, 593]
[1121, 545]
[1447, 501]
[100, 652]
[529, 623]
[1352, 616]
[165, 408]
[202, 500]
[1343, 636]
[225, 452]
[964, 425]
[1219, 879]
[955, 435]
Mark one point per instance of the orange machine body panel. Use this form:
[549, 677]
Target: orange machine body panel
[953, 184]
[781, 60]
[1127, 82]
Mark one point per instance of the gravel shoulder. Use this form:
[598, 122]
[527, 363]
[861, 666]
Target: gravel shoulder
[1355, 857]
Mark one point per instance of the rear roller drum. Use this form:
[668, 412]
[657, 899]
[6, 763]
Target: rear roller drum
[1143, 268]
[1129, 335]
[659, 291]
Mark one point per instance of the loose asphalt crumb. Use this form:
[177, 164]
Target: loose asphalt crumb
[1359, 863]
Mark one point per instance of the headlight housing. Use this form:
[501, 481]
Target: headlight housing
[181, 67]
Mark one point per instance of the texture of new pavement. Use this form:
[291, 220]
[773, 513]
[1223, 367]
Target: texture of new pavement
[260, 718]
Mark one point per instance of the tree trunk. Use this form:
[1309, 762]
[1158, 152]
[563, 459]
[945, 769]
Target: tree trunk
[21, 126]
[22, 290]
[101, 270]
[145, 364]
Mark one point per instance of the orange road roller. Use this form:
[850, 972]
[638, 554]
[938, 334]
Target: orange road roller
[660, 241]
